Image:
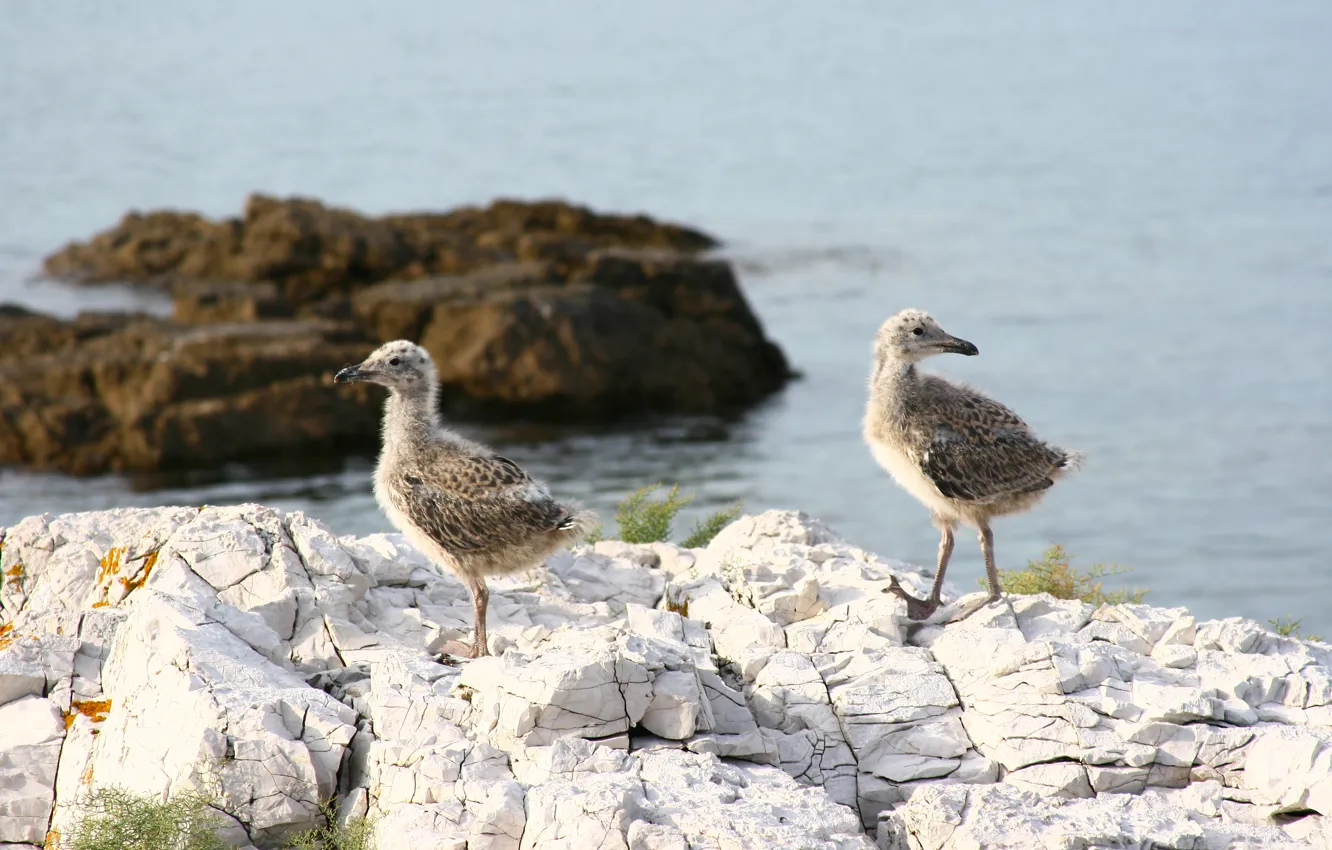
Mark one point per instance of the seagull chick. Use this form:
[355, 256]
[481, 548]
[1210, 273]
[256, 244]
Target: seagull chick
[468, 509]
[963, 455]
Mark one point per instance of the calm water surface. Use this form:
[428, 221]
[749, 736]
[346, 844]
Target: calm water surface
[1128, 207]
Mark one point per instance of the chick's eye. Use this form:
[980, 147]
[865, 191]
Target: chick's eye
[393, 361]
[918, 331]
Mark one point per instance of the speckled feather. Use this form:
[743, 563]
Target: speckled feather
[469, 503]
[963, 454]
[975, 449]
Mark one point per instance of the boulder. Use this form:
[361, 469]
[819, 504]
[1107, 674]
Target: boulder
[1004, 817]
[129, 392]
[229, 378]
[311, 250]
[632, 332]
[213, 302]
[761, 692]
[539, 309]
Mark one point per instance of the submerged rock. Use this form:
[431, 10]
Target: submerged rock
[760, 693]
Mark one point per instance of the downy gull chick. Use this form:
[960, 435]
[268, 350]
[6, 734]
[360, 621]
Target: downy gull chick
[465, 507]
[963, 455]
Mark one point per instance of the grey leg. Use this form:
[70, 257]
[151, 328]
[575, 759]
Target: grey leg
[480, 599]
[945, 552]
[991, 575]
[921, 609]
[991, 571]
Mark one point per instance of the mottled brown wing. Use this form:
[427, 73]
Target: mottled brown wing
[1004, 464]
[971, 413]
[473, 477]
[467, 504]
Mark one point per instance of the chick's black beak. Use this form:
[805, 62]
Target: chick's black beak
[350, 374]
[961, 346]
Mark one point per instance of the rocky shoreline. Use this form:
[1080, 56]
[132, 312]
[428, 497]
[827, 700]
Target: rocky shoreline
[541, 310]
[761, 692]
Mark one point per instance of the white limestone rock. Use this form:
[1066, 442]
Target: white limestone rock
[790, 568]
[1116, 633]
[1041, 614]
[587, 683]
[21, 671]
[616, 573]
[1290, 767]
[669, 798]
[193, 697]
[1117, 780]
[1005, 817]
[37, 665]
[1148, 622]
[1017, 712]
[733, 805]
[462, 788]
[761, 692]
[738, 631]
[1057, 779]
[901, 719]
[31, 730]
[789, 696]
[71, 563]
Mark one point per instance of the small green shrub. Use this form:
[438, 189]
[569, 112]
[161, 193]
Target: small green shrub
[643, 519]
[1055, 575]
[1290, 627]
[357, 834]
[709, 527]
[1285, 626]
[115, 819]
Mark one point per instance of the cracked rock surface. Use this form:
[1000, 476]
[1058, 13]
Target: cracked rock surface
[762, 692]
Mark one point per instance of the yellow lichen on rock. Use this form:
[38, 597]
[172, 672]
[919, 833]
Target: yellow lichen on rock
[137, 581]
[93, 709]
[14, 577]
[108, 573]
[106, 568]
[110, 563]
[52, 841]
[7, 636]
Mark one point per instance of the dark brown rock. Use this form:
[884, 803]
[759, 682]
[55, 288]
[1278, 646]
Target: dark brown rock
[634, 332]
[210, 302]
[125, 392]
[540, 310]
[311, 250]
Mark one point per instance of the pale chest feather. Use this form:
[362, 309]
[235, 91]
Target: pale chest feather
[383, 488]
[888, 436]
[907, 474]
[397, 515]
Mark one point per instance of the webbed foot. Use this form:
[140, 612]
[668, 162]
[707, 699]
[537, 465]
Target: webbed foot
[458, 649]
[917, 609]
